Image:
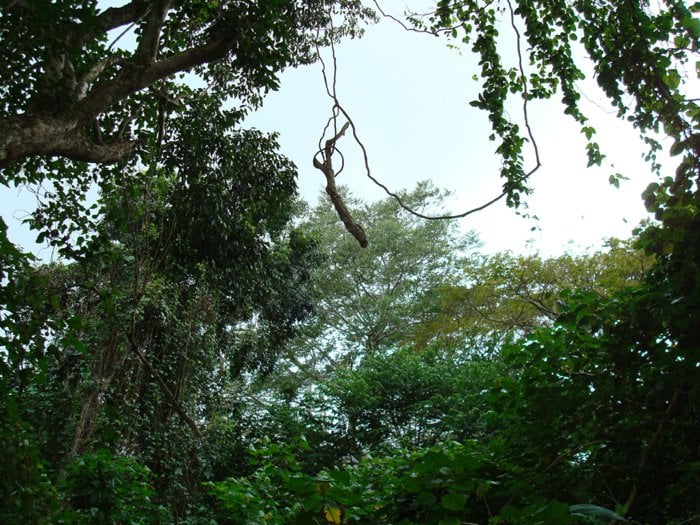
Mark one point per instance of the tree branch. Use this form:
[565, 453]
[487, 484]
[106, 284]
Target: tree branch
[108, 20]
[327, 168]
[25, 135]
[115, 17]
[147, 50]
[135, 77]
[154, 373]
[80, 147]
[81, 87]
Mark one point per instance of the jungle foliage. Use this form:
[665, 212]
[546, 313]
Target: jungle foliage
[207, 349]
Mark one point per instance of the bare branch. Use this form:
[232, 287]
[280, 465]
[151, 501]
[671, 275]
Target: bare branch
[402, 23]
[525, 90]
[326, 166]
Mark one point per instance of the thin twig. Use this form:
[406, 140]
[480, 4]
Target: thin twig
[402, 24]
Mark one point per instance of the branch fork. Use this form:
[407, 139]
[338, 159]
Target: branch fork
[326, 166]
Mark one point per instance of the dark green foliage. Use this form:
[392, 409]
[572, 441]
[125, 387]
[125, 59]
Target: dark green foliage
[101, 488]
[449, 484]
[205, 302]
[410, 400]
[26, 492]
[603, 404]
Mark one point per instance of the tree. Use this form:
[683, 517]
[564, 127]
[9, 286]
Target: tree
[602, 406]
[499, 298]
[70, 92]
[79, 108]
[370, 298]
[366, 304]
[446, 313]
[149, 329]
[137, 342]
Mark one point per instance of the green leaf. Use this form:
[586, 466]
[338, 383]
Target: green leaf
[677, 147]
[692, 25]
[672, 79]
[426, 499]
[453, 501]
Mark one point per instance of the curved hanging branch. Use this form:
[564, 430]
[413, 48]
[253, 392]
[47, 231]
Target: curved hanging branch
[326, 166]
[339, 109]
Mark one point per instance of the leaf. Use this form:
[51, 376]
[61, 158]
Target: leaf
[677, 147]
[692, 25]
[587, 509]
[425, 499]
[453, 501]
[672, 79]
[333, 514]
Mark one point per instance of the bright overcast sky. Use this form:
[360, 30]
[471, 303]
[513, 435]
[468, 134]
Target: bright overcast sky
[408, 95]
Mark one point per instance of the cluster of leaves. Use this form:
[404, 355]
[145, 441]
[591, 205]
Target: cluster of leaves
[443, 485]
[638, 51]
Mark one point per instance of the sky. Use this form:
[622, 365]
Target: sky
[408, 95]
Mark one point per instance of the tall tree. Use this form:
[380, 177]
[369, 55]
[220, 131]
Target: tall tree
[370, 298]
[497, 298]
[152, 325]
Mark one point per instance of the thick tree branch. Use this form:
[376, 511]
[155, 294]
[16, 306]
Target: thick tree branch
[147, 50]
[81, 87]
[80, 147]
[108, 20]
[115, 17]
[134, 77]
[327, 168]
[25, 135]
